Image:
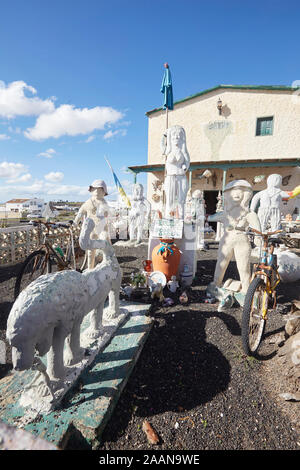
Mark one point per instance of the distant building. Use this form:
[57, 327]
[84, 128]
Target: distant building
[236, 132]
[33, 205]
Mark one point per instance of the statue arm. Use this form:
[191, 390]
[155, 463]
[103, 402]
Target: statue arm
[81, 214]
[186, 163]
[255, 202]
[254, 222]
[217, 217]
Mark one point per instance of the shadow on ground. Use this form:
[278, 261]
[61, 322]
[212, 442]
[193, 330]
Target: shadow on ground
[178, 370]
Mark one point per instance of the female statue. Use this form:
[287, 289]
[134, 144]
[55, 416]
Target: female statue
[139, 212]
[177, 164]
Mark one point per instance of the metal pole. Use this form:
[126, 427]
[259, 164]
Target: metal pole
[224, 184]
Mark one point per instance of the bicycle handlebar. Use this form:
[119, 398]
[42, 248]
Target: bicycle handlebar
[253, 231]
[53, 224]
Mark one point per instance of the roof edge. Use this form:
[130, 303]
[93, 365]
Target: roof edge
[233, 87]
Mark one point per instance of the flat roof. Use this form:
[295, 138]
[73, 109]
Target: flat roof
[17, 201]
[223, 164]
[230, 87]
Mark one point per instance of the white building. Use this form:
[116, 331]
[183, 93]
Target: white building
[235, 132]
[34, 205]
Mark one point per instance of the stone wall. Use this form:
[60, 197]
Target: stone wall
[16, 243]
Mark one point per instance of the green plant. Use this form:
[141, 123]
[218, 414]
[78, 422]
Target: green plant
[138, 280]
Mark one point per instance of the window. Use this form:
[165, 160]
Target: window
[264, 126]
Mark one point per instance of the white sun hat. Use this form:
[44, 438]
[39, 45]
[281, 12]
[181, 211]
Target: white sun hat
[99, 184]
[238, 184]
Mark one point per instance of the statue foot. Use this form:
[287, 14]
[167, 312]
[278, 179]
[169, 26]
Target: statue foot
[71, 359]
[111, 319]
[93, 333]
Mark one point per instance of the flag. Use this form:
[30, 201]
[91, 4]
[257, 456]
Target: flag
[295, 192]
[119, 186]
[167, 89]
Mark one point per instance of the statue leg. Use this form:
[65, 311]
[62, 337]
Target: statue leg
[94, 330]
[242, 253]
[132, 228]
[113, 311]
[225, 254]
[55, 357]
[140, 226]
[74, 353]
[91, 254]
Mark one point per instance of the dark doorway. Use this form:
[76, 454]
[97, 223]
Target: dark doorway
[211, 200]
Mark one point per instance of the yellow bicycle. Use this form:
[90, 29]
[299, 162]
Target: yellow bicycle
[261, 291]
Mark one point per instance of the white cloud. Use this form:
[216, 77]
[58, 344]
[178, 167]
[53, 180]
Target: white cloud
[68, 120]
[4, 137]
[90, 139]
[54, 176]
[10, 170]
[21, 179]
[48, 153]
[14, 102]
[110, 134]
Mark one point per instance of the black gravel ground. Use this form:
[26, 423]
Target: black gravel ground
[192, 381]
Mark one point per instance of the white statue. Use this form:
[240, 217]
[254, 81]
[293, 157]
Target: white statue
[219, 208]
[47, 315]
[236, 215]
[267, 204]
[198, 213]
[97, 209]
[173, 284]
[139, 212]
[177, 164]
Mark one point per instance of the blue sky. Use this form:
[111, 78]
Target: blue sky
[77, 77]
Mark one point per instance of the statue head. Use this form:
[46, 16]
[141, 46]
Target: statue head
[138, 191]
[197, 194]
[237, 193]
[98, 187]
[176, 138]
[274, 181]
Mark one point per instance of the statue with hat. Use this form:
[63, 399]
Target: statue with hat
[97, 209]
[236, 219]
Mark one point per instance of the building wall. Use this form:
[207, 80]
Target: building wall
[232, 136]
[237, 140]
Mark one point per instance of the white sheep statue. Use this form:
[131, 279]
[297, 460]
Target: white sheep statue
[51, 309]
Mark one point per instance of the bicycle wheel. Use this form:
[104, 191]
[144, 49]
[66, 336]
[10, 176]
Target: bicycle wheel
[33, 267]
[253, 320]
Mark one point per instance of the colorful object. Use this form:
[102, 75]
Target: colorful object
[147, 264]
[158, 277]
[119, 186]
[294, 193]
[166, 258]
[167, 89]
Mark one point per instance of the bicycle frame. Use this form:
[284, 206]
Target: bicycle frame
[62, 263]
[265, 269]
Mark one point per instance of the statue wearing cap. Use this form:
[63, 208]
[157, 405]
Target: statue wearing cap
[236, 219]
[97, 209]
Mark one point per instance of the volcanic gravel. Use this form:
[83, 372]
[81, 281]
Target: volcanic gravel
[192, 381]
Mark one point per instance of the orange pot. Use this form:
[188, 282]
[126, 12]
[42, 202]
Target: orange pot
[166, 258]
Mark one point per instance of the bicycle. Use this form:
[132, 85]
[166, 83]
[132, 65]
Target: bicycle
[262, 289]
[42, 260]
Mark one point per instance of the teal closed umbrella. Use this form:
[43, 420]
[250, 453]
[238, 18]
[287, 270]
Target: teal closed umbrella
[167, 89]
